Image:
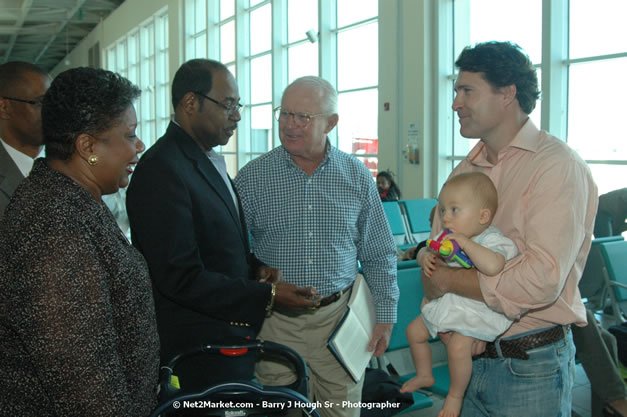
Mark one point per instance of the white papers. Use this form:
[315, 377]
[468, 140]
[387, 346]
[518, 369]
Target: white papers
[349, 341]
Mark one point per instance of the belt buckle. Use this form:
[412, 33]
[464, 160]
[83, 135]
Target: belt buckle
[331, 298]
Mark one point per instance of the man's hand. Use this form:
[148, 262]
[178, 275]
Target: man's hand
[434, 282]
[477, 348]
[380, 338]
[268, 275]
[291, 296]
[445, 337]
[460, 281]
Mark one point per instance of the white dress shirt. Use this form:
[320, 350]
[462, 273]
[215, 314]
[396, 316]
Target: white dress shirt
[219, 163]
[23, 161]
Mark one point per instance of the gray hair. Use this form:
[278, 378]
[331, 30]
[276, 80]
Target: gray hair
[329, 97]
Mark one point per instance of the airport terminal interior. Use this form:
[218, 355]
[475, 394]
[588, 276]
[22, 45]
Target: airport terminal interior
[393, 65]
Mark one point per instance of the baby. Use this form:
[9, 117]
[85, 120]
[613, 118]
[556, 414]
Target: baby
[466, 205]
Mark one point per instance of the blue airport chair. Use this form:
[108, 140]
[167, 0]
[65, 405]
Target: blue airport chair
[397, 224]
[593, 282]
[615, 257]
[411, 294]
[418, 212]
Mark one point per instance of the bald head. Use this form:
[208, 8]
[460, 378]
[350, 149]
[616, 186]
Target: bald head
[323, 89]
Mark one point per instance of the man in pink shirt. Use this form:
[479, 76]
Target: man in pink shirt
[547, 204]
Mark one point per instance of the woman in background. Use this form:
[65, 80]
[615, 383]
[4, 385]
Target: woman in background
[388, 190]
[77, 324]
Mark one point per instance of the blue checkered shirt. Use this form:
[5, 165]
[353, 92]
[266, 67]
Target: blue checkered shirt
[316, 228]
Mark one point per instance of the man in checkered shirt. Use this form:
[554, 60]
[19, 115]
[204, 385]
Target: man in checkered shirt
[314, 213]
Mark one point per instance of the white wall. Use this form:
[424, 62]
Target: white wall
[406, 82]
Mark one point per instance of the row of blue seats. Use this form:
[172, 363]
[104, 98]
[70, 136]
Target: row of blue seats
[409, 219]
[411, 294]
[409, 222]
[604, 280]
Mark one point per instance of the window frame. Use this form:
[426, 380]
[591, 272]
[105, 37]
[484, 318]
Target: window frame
[279, 52]
[143, 59]
[555, 67]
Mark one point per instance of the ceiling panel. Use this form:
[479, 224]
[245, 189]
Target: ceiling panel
[44, 31]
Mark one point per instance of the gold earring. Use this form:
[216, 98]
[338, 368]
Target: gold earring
[92, 160]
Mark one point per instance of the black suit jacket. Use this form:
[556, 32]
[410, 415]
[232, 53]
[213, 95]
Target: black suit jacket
[10, 178]
[184, 222]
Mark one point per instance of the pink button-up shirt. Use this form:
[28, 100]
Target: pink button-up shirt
[547, 205]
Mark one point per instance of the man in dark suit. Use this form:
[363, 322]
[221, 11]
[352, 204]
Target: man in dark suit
[22, 87]
[186, 219]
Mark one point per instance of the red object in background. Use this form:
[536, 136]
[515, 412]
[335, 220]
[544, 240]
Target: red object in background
[365, 146]
[370, 147]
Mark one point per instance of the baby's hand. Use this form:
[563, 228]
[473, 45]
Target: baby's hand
[429, 261]
[421, 256]
[459, 238]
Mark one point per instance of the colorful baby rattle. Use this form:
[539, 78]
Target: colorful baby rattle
[449, 250]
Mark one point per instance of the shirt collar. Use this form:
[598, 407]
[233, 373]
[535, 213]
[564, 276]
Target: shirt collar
[23, 161]
[527, 139]
[212, 154]
[328, 154]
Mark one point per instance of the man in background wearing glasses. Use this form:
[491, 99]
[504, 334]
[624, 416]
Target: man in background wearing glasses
[313, 212]
[186, 220]
[22, 87]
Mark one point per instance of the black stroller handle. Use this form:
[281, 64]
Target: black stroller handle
[263, 346]
[296, 392]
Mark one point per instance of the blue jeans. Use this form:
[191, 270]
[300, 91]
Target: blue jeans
[538, 387]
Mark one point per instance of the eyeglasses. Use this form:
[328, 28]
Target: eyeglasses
[22, 100]
[300, 119]
[230, 108]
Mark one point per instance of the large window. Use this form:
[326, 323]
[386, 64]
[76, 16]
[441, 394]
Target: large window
[481, 25]
[142, 57]
[258, 57]
[302, 33]
[357, 79]
[587, 45]
[268, 44]
[597, 63]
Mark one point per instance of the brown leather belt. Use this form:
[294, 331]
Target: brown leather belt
[330, 299]
[517, 348]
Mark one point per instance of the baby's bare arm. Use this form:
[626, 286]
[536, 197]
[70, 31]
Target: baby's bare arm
[485, 260]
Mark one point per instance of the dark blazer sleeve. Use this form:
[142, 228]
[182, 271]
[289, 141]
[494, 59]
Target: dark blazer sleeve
[10, 178]
[196, 251]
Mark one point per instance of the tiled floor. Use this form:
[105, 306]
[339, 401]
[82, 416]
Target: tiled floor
[581, 399]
